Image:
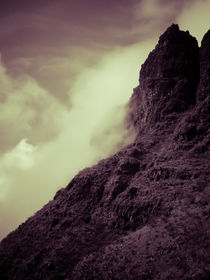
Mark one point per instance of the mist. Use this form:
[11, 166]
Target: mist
[86, 130]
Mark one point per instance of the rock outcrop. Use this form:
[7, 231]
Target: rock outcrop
[204, 86]
[168, 79]
[144, 212]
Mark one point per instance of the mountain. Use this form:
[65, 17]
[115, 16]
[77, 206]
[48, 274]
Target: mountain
[143, 213]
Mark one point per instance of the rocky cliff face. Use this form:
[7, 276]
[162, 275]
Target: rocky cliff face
[204, 86]
[144, 212]
[168, 79]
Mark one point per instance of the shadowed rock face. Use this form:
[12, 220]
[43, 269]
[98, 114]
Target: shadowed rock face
[204, 86]
[168, 78]
[144, 212]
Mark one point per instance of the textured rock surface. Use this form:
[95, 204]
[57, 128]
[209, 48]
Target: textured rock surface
[168, 78]
[144, 212]
[204, 86]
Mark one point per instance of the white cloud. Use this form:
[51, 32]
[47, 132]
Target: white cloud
[22, 156]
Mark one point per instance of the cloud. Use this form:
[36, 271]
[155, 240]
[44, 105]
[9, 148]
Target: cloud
[4, 188]
[26, 110]
[87, 128]
[56, 71]
[19, 159]
[153, 16]
[21, 156]
[195, 18]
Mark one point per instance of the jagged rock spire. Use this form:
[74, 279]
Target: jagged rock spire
[168, 78]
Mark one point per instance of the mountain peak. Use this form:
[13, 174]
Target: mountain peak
[173, 33]
[168, 79]
[173, 27]
[170, 32]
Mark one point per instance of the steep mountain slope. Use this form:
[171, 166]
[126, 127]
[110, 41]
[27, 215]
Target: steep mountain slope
[144, 212]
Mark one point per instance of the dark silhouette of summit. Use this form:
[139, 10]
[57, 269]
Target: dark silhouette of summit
[142, 213]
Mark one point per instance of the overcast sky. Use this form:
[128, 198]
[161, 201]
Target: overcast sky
[67, 69]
